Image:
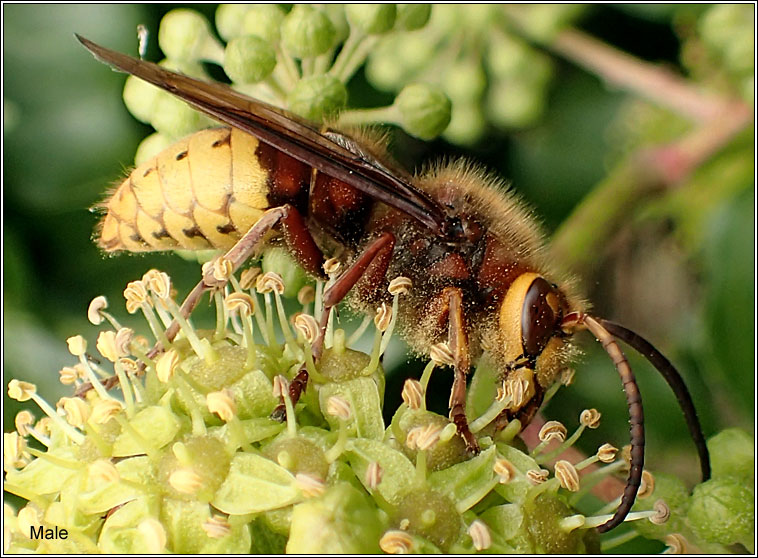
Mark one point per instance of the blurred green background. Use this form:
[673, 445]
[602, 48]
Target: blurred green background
[680, 269]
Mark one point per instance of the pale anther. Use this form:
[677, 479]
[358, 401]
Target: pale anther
[396, 542]
[77, 345]
[647, 486]
[338, 407]
[216, 527]
[504, 470]
[400, 285]
[222, 403]
[383, 317]
[413, 393]
[154, 535]
[240, 302]
[306, 295]
[480, 535]
[248, 277]
[441, 354]
[23, 421]
[607, 453]
[185, 481]
[332, 266]
[20, 390]
[308, 326]
[662, 513]
[103, 470]
[590, 418]
[270, 282]
[104, 410]
[166, 365]
[566, 473]
[374, 474]
[98, 304]
[552, 430]
[537, 476]
[309, 485]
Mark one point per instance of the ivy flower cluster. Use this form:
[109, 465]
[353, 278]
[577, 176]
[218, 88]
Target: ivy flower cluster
[177, 450]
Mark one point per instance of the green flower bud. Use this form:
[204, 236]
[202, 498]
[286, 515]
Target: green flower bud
[265, 21]
[412, 16]
[229, 18]
[722, 511]
[542, 519]
[543, 21]
[342, 521]
[307, 32]
[732, 453]
[150, 147]
[514, 103]
[205, 457]
[317, 97]
[718, 24]
[298, 455]
[249, 59]
[464, 81]
[372, 19]
[430, 515]
[186, 35]
[441, 455]
[466, 125]
[336, 14]
[424, 110]
[282, 262]
[140, 98]
[174, 118]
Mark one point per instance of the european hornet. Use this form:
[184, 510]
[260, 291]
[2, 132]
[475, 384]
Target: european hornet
[481, 278]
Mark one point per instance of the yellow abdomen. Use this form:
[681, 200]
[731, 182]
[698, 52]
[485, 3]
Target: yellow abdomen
[204, 191]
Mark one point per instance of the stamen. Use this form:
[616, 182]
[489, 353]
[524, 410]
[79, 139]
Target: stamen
[441, 355]
[606, 453]
[567, 475]
[248, 277]
[244, 305]
[98, 304]
[154, 535]
[68, 375]
[537, 476]
[104, 471]
[309, 485]
[590, 418]
[413, 393]
[222, 403]
[23, 421]
[77, 411]
[23, 391]
[647, 486]
[677, 544]
[137, 299]
[504, 469]
[480, 535]
[216, 527]
[396, 542]
[166, 365]
[104, 410]
[374, 474]
[186, 481]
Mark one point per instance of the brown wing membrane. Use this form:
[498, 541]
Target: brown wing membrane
[284, 131]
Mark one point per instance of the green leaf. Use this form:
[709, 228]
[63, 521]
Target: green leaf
[183, 522]
[255, 484]
[101, 497]
[366, 405]
[468, 482]
[161, 424]
[399, 472]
